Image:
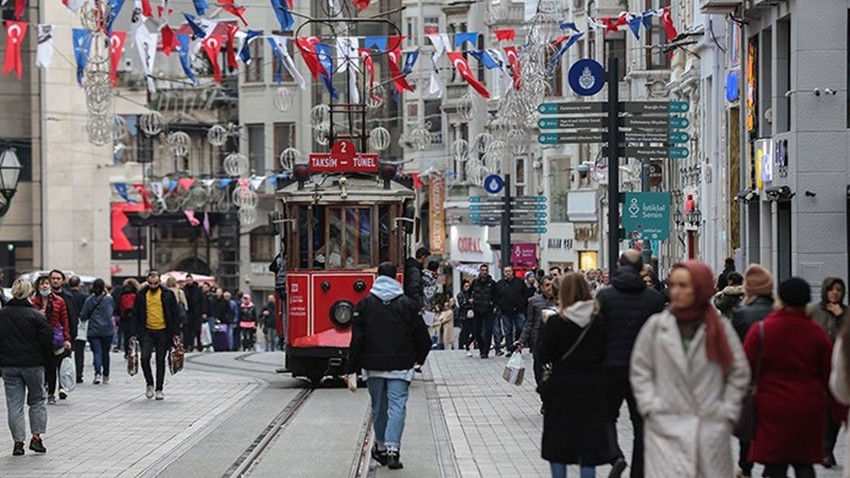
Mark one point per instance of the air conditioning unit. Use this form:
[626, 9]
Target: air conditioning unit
[719, 6]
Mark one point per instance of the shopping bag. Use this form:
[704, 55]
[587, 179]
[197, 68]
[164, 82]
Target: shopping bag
[133, 357]
[82, 330]
[515, 369]
[176, 356]
[68, 375]
[206, 335]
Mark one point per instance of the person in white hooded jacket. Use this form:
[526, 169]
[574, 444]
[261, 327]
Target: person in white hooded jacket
[574, 421]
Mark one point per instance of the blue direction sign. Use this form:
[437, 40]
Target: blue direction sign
[678, 137]
[647, 216]
[571, 108]
[494, 184]
[586, 77]
[679, 106]
[678, 122]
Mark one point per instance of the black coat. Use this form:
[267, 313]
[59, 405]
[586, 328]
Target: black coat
[513, 295]
[73, 311]
[624, 307]
[463, 305]
[414, 285]
[574, 425]
[387, 336]
[195, 300]
[169, 309]
[746, 316]
[483, 295]
[221, 310]
[26, 339]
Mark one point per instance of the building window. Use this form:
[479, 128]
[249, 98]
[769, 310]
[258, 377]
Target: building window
[431, 25]
[519, 176]
[615, 47]
[254, 71]
[262, 245]
[556, 82]
[284, 137]
[278, 66]
[434, 120]
[655, 58]
[411, 32]
[257, 147]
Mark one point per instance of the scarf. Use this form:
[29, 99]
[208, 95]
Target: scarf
[716, 343]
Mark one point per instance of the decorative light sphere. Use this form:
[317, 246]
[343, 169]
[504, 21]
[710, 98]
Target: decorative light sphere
[282, 99]
[152, 123]
[379, 138]
[217, 135]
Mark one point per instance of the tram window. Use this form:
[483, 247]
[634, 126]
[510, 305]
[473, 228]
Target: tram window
[384, 228]
[316, 223]
[358, 236]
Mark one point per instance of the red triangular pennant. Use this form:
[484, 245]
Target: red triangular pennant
[15, 32]
[116, 49]
[393, 59]
[20, 6]
[516, 68]
[212, 45]
[169, 40]
[231, 46]
[462, 67]
[508, 34]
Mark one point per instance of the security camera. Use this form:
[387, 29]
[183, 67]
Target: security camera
[779, 193]
[583, 169]
[828, 91]
[816, 91]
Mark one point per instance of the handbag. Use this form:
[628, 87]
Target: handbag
[176, 356]
[546, 376]
[745, 428]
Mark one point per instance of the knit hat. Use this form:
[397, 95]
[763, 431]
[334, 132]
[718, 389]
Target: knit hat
[795, 292]
[757, 281]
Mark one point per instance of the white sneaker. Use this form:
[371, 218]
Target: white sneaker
[62, 394]
[97, 379]
[159, 395]
[469, 353]
[149, 392]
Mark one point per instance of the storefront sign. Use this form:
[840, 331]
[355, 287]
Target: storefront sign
[469, 244]
[524, 255]
[437, 215]
[559, 244]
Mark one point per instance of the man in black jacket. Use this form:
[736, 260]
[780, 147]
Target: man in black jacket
[513, 296]
[387, 339]
[414, 284]
[57, 285]
[625, 306]
[156, 323]
[484, 304]
[195, 301]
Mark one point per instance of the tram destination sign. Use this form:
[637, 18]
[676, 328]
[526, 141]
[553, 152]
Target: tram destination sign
[343, 158]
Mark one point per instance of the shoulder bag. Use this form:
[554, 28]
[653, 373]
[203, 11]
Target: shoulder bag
[544, 386]
[745, 429]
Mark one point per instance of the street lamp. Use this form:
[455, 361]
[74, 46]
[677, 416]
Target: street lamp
[678, 219]
[10, 173]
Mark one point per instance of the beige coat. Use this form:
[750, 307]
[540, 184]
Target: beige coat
[688, 405]
[840, 389]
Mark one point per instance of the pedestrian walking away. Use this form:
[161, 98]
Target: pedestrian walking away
[624, 307]
[78, 298]
[831, 313]
[793, 355]
[55, 311]
[484, 307]
[689, 376]
[126, 302]
[195, 306]
[269, 324]
[97, 312]
[723, 278]
[414, 285]
[839, 378]
[26, 349]
[731, 296]
[467, 316]
[388, 338]
[531, 332]
[575, 421]
[513, 294]
[155, 324]
[757, 304]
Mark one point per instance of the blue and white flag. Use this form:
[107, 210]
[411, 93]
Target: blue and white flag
[115, 7]
[634, 25]
[571, 26]
[409, 61]
[325, 56]
[281, 55]
[647, 18]
[183, 50]
[485, 59]
[196, 29]
[566, 46]
[82, 45]
[245, 51]
[375, 42]
[284, 16]
[201, 7]
[461, 38]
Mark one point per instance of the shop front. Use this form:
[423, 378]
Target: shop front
[571, 246]
[468, 250]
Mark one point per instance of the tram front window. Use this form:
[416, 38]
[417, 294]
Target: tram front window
[358, 235]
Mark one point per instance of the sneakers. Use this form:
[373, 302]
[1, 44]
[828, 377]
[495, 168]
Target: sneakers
[469, 353]
[37, 446]
[149, 392]
[379, 455]
[617, 468]
[500, 352]
[19, 449]
[79, 379]
[158, 395]
[105, 379]
[393, 461]
[62, 394]
[97, 379]
[51, 400]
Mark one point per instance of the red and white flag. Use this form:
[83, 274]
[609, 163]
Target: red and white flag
[212, 45]
[393, 59]
[169, 40]
[116, 49]
[508, 34]
[15, 32]
[231, 8]
[147, 11]
[20, 6]
[462, 67]
[232, 29]
[369, 65]
[516, 68]
[307, 46]
[667, 22]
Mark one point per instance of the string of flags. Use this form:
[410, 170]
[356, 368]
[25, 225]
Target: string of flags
[323, 59]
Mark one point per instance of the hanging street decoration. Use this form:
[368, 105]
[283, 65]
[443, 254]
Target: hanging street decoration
[14, 36]
[116, 49]
[462, 68]
[44, 52]
[212, 47]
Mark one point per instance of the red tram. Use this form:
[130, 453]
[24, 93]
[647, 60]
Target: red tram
[339, 226]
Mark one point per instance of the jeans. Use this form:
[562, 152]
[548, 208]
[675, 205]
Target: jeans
[51, 369]
[617, 389]
[100, 351]
[20, 383]
[271, 339]
[513, 324]
[498, 333]
[79, 356]
[190, 328]
[778, 470]
[559, 470]
[236, 337]
[389, 408]
[118, 338]
[483, 325]
[155, 340]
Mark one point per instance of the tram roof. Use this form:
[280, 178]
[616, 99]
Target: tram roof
[366, 189]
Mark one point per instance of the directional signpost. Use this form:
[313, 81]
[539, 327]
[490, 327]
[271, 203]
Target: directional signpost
[527, 213]
[646, 216]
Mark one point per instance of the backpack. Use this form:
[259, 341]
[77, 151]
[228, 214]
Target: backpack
[125, 305]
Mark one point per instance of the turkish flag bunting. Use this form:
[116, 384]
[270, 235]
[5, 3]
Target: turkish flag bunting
[147, 11]
[169, 40]
[393, 58]
[369, 64]
[162, 11]
[212, 45]
[229, 7]
[508, 34]
[20, 6]
[231, 46]
[361, 4]
[140, 188]
[15, 32]
[116, 49]
[307, 45]
[462, 67]
[614, 25]
[667, 22]
[516, 69]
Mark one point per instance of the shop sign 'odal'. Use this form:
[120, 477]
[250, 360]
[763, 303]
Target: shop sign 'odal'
[647, 216]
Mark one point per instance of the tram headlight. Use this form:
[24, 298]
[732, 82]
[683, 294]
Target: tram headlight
[342, 312]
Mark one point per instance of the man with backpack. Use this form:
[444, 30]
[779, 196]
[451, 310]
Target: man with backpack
[388, 339]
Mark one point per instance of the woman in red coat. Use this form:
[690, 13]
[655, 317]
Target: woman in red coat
[792, 385]
[54, 309]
